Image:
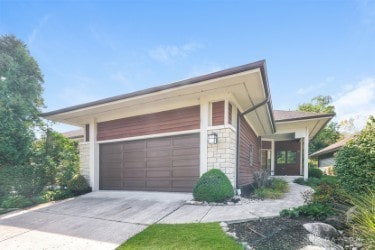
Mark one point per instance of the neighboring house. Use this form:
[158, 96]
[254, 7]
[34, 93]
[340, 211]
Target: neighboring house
[165, 137]
[75, 135]
[326, 156]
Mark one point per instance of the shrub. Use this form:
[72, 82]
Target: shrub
[279, 184]
[268, 193]
[315, 210]
[315, 172]
[16, 201]
[78, 185]
[54, 195]
[213, 186]
[25, 180]
[300, 181]
[354, 162]
[260, 179]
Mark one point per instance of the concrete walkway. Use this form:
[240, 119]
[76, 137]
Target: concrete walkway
[105, 219]
[254, 210]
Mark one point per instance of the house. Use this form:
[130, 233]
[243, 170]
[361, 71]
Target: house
[75, 135]
[163, 138]
[326, 156]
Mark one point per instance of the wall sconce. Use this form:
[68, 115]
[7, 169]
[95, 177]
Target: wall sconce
[212, 138]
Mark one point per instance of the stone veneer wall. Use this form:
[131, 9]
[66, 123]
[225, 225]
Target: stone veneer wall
[223, 154]
[84, 159]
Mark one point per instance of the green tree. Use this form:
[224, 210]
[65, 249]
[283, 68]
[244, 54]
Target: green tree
[319, 104]
[59, 157]
[355, 162]
[20, 100]
[329, 134]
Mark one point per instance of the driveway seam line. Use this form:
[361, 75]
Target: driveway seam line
[206, 214]
[91, 217]
[183, 204]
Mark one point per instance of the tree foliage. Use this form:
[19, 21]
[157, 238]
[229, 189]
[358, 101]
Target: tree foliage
[329, 134]
[20, 100]
[355, 162]
[319, 104]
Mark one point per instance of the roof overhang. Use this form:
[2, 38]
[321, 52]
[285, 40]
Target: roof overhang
[247, 86]
[313, 124]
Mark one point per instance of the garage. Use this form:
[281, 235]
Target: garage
[157, 164]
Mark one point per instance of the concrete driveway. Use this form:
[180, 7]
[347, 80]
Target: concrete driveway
[99, 220]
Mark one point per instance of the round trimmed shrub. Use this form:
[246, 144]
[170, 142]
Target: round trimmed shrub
[316, 173]
[78, 185]
[213, 186]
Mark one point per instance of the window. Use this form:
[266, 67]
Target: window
[286, 157]
[251, 154]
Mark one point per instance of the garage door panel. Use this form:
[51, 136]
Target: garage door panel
[193, 152]
[157, 183]
[157, 164]
[133, 156]
[158, 153]
[188, 162]
[137, 164]
[109, 183]
[158, 173]
[134, 173]
[115, 148]
[186, 172]
[158, 143]
[134, 146]
[112, 173]
[134, 184]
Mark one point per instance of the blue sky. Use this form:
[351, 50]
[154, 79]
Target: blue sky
[89, 50]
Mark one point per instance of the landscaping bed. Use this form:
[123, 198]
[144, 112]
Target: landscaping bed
[282, 233]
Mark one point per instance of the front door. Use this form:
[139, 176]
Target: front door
[287, 160]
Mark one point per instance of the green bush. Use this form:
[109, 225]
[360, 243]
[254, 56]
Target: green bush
[300, 181]
[279, 184]
[78, 185]
[315, 210]
[315, 172]
[213, 186]
[25, 180]
[16, 201]
[355, 162]
[54, 195]
[268, 193]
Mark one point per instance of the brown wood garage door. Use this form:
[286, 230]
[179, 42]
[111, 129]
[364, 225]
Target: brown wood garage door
[159, 164]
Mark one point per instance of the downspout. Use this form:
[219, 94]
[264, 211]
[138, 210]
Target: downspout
[239, 115]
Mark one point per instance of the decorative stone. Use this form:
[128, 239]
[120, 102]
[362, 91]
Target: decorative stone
[326, 244]
[322, 230]
[230, 203]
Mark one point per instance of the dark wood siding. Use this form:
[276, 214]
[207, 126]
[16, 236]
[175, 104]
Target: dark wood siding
[229, 113]
[159, 164]
[266, 145]
[218, 113]
[247, 138]
[288, 169]
[87, 132]
[161, 122]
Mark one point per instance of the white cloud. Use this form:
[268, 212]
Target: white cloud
[315, 87]
[37, 29]
[169, 53]
[357, 102]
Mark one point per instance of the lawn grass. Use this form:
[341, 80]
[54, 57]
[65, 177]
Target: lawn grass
[182, 236]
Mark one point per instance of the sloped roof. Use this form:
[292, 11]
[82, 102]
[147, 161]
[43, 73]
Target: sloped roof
[284, 115]
[78, 133]
[332, 148]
